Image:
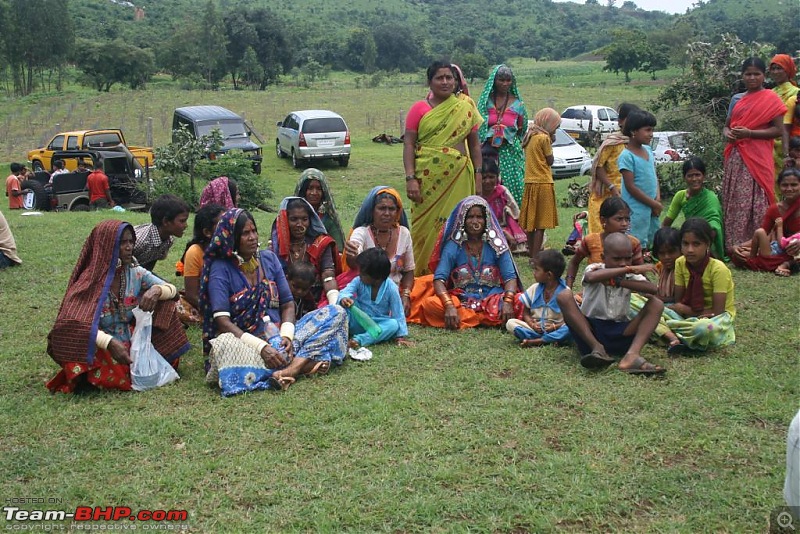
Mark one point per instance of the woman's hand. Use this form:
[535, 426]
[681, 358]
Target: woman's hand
[657, 208]
[288, 348]
[506, 312]
[345, 302]
[413, 191]
[272, 358]
[534, 325]
[150, 299]
[615, 192]
[406, 305]
[352, 249]
[643, 269]
[740, 132]
[119, 352]
[682, 309]
[793, 249]
[451, 319]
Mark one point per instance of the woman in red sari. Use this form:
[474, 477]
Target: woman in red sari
[751, 128]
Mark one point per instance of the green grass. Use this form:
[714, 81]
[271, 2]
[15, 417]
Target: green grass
[462, 432]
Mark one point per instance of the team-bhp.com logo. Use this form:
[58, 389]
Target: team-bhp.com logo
[94, 513]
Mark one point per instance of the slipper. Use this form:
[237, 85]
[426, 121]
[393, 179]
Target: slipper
[676, 347]
[596, 360]
[280, 383]
[320, 368]
[362, 354]
[643, 367]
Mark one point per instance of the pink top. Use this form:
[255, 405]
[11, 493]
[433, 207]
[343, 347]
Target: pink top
[417, 111]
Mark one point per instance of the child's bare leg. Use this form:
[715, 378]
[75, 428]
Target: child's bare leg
[577, 322]
[535, 239]
[642, 326]
[760, 246]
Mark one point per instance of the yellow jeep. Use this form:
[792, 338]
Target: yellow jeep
[41, 158]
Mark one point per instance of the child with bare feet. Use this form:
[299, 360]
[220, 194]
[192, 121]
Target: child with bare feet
[543, 322]
[379, 297]
[600, 326]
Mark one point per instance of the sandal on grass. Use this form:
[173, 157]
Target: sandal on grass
[320, 368]
[641, 366]
[675, 347]
[280, 383]
[596, 360]
[783, 270]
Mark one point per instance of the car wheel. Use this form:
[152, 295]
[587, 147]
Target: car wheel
[79, 206]
[295, 161]
[344, 161]
[278, 150]
[37, 166]
[40, 199]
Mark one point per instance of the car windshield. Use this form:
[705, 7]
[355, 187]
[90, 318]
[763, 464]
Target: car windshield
[229, 129]
[331, 124]
[563, 139]
[578, 114]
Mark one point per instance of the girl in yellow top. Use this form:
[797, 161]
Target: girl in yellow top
[704, 302]
[606, 178]
[539, 197]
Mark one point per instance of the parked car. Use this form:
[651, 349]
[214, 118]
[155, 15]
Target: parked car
[41, 158]
[236, 131]
[589, 124]
[569, 158]
[313, 134]
[68, 192]
[670, 146]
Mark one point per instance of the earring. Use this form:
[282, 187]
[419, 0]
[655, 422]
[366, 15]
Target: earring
[119, 263]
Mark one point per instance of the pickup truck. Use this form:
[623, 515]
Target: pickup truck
[41, 158]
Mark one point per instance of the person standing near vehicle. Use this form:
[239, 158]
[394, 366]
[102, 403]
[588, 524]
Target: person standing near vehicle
[99, 190]
[14, 190]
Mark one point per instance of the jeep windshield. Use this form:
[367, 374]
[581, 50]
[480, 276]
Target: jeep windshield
[229, 129]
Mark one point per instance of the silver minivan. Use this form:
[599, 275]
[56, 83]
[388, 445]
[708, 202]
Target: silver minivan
[313, 134]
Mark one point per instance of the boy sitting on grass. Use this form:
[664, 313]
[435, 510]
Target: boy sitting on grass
[600, 326]
[543, 322]
[378, 297]
[153, 241]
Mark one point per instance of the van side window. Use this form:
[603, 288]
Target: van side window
[72, 142]
[602, 115]
[57, 143]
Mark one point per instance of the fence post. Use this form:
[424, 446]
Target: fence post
[148, 132]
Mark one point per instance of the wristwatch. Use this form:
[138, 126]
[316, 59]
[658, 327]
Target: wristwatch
[410, 177]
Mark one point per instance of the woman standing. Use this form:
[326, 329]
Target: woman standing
[91, 339]
[782, 70]
[748, 183]
[243, 291]
[381, 222]
[313, 186]
[440, 131]
[505, 121]
[606, 178]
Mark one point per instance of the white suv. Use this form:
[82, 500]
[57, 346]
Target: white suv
[590, 124]
[313, 134]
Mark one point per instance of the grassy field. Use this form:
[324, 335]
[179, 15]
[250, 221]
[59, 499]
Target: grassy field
[462, 432]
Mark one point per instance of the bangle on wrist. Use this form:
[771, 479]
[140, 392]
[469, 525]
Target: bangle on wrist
[405, 292]
[287, 330]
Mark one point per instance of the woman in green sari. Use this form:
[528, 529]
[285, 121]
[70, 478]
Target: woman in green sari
[697, 201]
[442, 159]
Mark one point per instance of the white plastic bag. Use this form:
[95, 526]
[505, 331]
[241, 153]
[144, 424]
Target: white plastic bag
[149, 368]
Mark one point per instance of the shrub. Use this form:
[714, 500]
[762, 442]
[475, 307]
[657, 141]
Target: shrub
[253, 189]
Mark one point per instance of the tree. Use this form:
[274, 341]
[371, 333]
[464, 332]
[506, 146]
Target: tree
[105, 64]
[474, 66]
[250, 69]
[399, 46]
[626, 53]
[272, 48]
[242, 37]
[655, 59]
[198, 48]
[360, 52]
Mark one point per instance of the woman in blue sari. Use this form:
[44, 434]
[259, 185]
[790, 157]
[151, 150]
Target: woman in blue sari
[244, 292]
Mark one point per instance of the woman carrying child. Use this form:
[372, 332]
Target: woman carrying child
[475, 280]
[539, 197]
[766, 251]
[503, 205]
[639, 181]
[542, 321]
[697, 201]
[606, 179]
[615, 216]
[704, 297]
[378, 296]
[190, 266]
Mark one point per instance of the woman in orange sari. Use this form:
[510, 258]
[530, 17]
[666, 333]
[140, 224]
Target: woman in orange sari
[748, 184]
[440, 131]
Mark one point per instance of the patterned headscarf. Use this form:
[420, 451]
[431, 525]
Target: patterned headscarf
[74, 334]
[488, 90]
[327, 207]
[281, 232]
[786, 63]
[217, 191]
[453, 229]
[462, 87]
[546, 120]
[365, 213]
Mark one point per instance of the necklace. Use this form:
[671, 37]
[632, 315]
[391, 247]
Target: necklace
[249, 266]
[501, 111]
[297, 251]
[376, 233]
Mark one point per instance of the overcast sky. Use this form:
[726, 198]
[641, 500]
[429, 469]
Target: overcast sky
[670, 6]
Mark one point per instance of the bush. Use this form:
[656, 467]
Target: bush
[253, 189]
